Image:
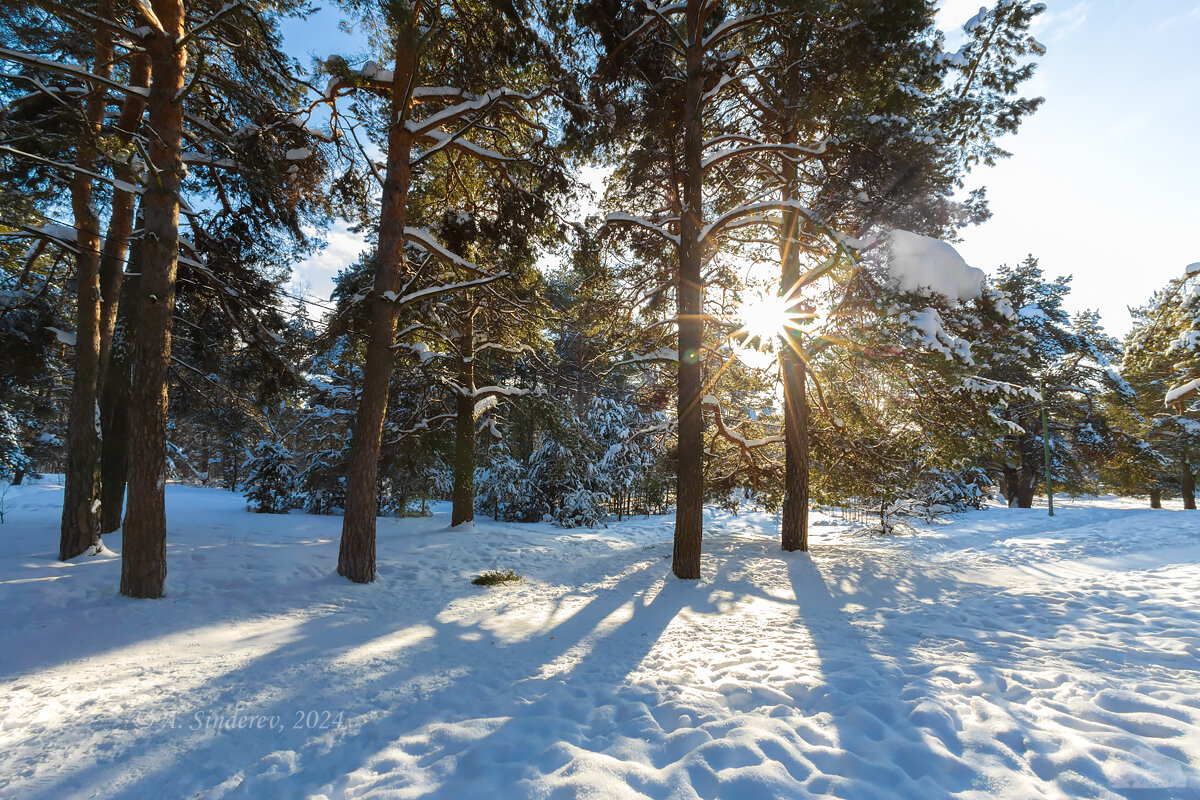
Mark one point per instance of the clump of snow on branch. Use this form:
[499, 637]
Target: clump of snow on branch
[931, 333]
[921, 264]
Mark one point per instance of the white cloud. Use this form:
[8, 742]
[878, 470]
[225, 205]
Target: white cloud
[317, 272]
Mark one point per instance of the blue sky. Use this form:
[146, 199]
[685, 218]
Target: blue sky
[1104, 181]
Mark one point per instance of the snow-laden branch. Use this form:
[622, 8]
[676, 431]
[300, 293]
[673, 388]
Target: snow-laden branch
[1178, 393]
[732, 435]
[764, 147]
[61, 235]
[424, 239]
[979, 385]
[479, 103]
[442, 140]
[446, 288]
[731, 26]
[206, 160]
[72, 70]
[505, 349]
[724, 221]
[482, 392]
[619, 218]
[661, 355]
[222, 12]
[119, 184]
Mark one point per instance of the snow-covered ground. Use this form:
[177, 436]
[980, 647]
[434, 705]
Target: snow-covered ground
[1003, 654]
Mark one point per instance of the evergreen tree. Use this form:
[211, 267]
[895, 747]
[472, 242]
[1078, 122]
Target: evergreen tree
[271, 479]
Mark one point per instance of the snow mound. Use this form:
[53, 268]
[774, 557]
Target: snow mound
[921, 264]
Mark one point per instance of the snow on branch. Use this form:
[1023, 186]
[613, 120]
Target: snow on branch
[206, 160]
[118, 184]
[979, 385]
[70, 69]
[764, 147]
[443, 140]
[661, 355]
[208, 23]
[446, 288]
[424, 239]
[454, 112]
[1180, 392]
[754, 210]
[920, 264]
[619, 218]
[731, 26]
[931, 333]
[741, 441]
[62, 235]
[504, 349]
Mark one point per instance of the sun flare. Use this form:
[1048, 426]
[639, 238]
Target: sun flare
[766, 318]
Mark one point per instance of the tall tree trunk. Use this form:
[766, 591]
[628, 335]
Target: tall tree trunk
[794, 533]
[356, 554]
[114, 404]
[463, 509]
[1187, 482]
[1009, 484]
[120, 222]
[689, 509]
[144, 541]
[1156, 497]
[80, 496]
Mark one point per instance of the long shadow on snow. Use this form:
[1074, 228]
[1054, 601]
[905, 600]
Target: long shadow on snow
[469, 662]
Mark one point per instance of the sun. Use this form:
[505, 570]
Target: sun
[766, 318]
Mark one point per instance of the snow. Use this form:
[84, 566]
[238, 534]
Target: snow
[297, 154]
[1003, 654]
[1191, 269]
[921, 264]
[66, 337]
[930, 332]
[62, 233]
[1179, 392]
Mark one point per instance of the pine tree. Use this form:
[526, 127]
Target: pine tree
[457, 70]
[271, 479]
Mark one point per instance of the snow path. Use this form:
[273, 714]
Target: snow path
[1002, 654]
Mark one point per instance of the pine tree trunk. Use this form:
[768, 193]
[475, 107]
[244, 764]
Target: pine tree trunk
[144, 539]
[114, 399]
[121, 221]
[356, 554]
[1025, 488]
[463, 509]
[1008, 485]
[794, 533]
[1156, 498]
[79, 530]
[114, 460]
[795, 501]
[689, 509]
[1187, 482]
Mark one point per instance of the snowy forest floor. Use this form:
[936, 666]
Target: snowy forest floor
[1001, 654]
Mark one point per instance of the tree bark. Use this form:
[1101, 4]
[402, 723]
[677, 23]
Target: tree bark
[1187, 482]
[1025, 488]
[1156, 498]
[114, 406]
[120, 222]
[794, 533]
[144, 542]
[1009, 483]
[79, 530]
[689, 509]
[463, 509]
[356, 554]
